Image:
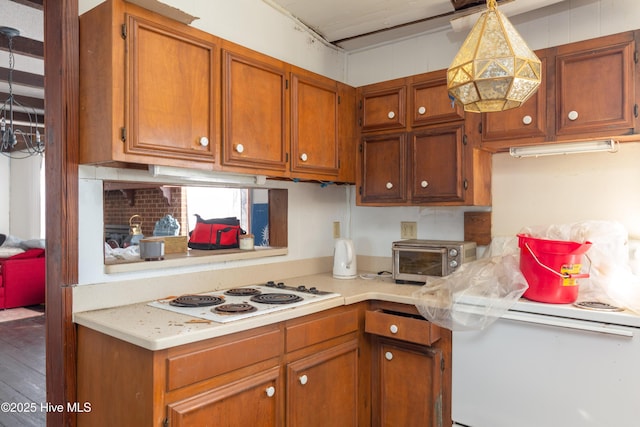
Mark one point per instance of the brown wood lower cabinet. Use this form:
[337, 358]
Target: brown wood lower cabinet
[411, 368]
[251, 401]
[316, 370]
[322, 389]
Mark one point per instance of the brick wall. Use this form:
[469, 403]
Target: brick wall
[150, 203]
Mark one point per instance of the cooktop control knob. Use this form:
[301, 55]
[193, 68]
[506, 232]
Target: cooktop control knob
[453, 253]
[302, 288]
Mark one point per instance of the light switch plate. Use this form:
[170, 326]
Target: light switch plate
[336, 229]
[408, 230]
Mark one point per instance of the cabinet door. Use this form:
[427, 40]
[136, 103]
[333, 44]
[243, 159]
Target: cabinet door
[314, 125]
[322, 389]
[254, 113]
[383, 107]
[171, 93]
[594, 87]
[436, 165]
[407, 385]
[526, 124]
[383, 168]
[430, 103]
[252, 401]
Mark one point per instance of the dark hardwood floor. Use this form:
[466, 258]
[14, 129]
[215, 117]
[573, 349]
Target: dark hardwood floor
[22, 373]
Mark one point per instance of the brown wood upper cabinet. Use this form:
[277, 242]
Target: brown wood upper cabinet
[429, 101]
[314, 124]
[424, 162]
[595, 94]
[383, 106]
[254, 108]
[281, 120]
[587, 91]
[148, 89]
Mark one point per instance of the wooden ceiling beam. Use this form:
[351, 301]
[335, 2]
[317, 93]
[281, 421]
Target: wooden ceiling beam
[24, 46]
[36, 4]
[37, 103]
[22, 78]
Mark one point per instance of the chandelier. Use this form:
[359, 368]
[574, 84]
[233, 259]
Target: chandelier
[494, 70]
[19, 133]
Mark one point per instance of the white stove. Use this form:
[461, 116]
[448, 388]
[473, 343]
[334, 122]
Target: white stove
[240, 303]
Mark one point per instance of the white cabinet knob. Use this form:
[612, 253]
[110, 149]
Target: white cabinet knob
[388, 355]
[422, 110]
[303, 379]
[393, 329]
[424, 184]
[389, 185]
[391, 114]
[204, 141]
[573, 115]
[304, 157]
[239, 148]
[527, 120]
[270, 391]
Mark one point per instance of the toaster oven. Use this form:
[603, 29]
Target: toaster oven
[415, 260]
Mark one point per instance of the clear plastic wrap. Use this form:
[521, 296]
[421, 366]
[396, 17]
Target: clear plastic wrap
[475, 296]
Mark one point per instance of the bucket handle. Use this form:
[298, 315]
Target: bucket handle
[565, 275]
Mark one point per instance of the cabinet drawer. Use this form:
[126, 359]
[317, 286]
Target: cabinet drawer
[318, 330]
[200, 365]
[401, 327]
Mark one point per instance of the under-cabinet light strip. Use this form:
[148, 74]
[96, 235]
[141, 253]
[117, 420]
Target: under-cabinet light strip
[608, 145]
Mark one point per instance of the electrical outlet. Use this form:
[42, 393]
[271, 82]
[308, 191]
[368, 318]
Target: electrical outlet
[336, 229]
[408, 230]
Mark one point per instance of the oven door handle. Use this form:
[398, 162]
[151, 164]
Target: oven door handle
[568, 323]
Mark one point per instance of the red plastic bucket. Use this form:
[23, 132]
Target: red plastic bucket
[551, 268]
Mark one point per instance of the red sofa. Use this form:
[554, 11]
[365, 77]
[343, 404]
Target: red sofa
[22, 279]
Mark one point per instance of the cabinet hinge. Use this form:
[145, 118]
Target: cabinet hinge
[464, 139]
[465, 184]
[480, 128]
[360, 190]
[442, 365]
[635, 56]
[635, 110]
[123, 134]
[123, 31]
[165, 423]
[360, 148]
[338, 163]
[360, 105]
[286, 157]
[339, 100]
[286, 83]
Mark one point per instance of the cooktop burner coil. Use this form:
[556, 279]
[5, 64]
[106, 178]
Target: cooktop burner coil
[276, 298]
[234, 308]
[597, 305]
[196, 301]
[242, 292]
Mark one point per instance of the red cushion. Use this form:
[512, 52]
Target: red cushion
[29, 253]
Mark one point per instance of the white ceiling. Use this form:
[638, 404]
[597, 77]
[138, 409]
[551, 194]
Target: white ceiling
[357, 24]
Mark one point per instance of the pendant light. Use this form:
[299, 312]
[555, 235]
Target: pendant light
[18, 122]
[494, 70]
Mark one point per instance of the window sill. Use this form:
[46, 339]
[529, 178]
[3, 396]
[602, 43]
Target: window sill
[193, 257]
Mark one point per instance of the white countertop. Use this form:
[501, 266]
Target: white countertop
[156, 329]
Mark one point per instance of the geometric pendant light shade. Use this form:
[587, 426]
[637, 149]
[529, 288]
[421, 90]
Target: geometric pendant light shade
[494, 70]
